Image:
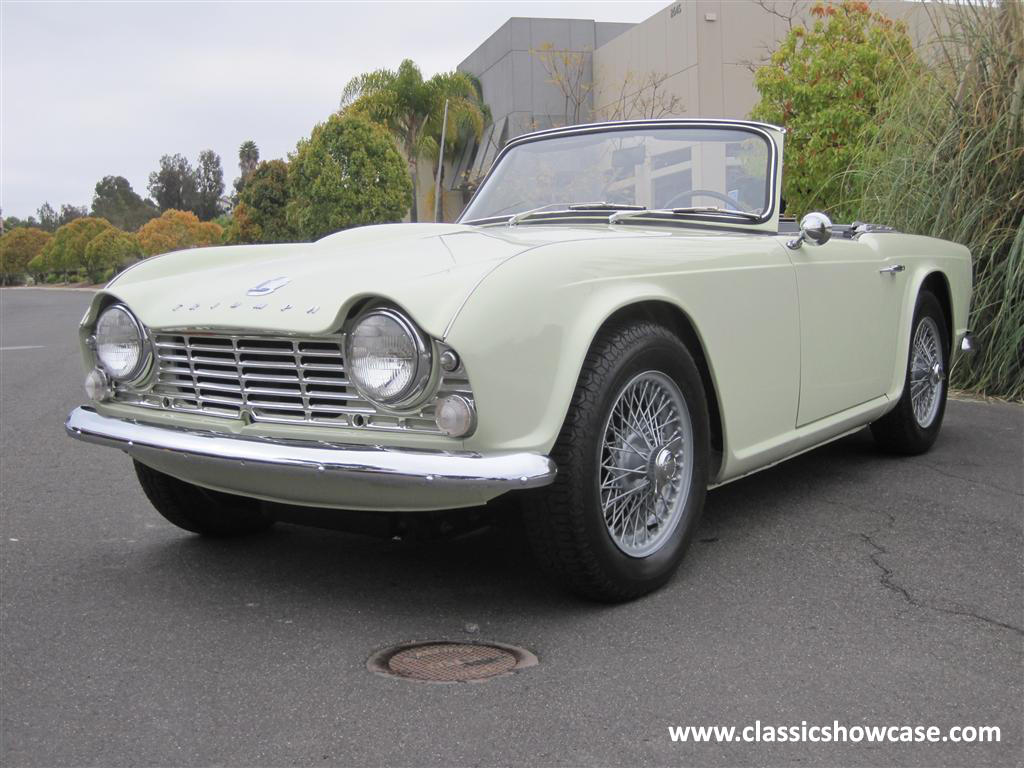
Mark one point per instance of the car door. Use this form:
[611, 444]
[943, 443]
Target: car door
[848, 309]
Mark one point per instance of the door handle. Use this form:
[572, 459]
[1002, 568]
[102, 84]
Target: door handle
[892, 270]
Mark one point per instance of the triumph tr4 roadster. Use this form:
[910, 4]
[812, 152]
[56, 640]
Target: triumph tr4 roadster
[619, 321]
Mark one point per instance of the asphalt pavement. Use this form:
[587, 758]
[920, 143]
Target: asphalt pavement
[843, 585]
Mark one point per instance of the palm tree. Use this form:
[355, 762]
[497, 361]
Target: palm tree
[248, 159]
[411, 108]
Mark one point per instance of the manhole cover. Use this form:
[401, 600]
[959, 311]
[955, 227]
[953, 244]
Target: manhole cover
[450, 662]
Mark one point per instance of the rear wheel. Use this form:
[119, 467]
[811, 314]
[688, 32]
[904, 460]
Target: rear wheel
[199, 510]
[632, 468]
[913, 425]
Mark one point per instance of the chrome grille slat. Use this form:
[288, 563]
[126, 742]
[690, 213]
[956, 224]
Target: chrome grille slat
[269, 379]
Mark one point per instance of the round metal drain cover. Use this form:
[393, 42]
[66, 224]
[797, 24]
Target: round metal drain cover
[446, 662]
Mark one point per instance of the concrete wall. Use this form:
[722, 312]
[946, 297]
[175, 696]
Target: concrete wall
[701, 53]
[707, 50]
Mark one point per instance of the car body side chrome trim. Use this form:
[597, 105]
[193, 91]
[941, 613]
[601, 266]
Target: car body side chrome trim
[316, 473]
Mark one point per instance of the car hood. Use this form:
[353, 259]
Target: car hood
[427, 269]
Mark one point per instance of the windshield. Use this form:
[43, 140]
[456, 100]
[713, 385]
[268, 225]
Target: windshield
[727, 169]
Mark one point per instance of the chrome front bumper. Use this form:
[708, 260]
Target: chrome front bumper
[315, 473]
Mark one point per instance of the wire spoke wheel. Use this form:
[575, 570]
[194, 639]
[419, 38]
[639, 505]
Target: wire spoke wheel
[927, 376]
[646, 463]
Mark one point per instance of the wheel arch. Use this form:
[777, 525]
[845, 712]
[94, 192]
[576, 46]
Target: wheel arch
[937, 284]
[681, 324]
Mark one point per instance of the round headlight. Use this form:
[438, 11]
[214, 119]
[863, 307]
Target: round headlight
[120, 344]
[388, 359]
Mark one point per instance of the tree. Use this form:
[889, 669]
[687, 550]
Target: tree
[209, 186]
[177, 230]
[825, 85]
[65, 253]
[641, 97]
[567, 71]
[412, 109]
[260, 216]
[248, 160]
[13, 222]
[174, 185]
[69, 213]
[47, 218]
[347, 174]
[17, 248]
[243, 227]
[111, 249]
[116, 201]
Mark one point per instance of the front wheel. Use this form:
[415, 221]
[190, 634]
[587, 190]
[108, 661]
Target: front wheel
[196, 509]
[913, 425]
[632, 468]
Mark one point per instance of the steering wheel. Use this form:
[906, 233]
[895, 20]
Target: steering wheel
[673, 202]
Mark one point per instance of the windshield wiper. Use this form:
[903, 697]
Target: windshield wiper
[689, 211]
[553, 208]
[606, 207]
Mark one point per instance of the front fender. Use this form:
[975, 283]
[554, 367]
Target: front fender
[525, 331]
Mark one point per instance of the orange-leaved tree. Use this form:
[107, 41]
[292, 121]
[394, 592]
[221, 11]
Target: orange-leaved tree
[175, 231]
[17, 248]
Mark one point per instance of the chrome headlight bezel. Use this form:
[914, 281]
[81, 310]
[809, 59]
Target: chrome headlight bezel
[416, 392]
[141, 366]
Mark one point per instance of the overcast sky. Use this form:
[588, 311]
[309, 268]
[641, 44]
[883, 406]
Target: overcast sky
[92, 89]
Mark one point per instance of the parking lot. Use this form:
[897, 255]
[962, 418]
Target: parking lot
[843, 585]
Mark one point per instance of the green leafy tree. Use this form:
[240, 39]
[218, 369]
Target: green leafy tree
[174, 185]
[826, 84]
[65, 253]
[209, 186]
[412, 109]
[260, 216]
[116, 201]
[346, 174]
[248, 161]
[110, 251]
[17, 248]
[175, 231]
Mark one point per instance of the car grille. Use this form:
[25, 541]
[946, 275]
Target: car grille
[269, 379]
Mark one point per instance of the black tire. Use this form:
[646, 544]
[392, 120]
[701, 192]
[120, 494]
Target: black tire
[565, 522]
[208, 513]
[900, 430]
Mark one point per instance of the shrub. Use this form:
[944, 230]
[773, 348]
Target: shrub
[347, 174]
[948, 161]
[825, 85]
[65, 253]
[109, 252]
[17, 248]
[177, 230]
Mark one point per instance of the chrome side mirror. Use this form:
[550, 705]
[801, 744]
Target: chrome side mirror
[815, 229]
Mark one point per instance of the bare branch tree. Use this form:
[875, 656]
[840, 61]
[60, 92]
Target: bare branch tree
[641, 97]
[567, 71]
[789, 16]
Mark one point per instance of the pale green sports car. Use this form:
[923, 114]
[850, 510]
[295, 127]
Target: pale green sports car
[619, 321]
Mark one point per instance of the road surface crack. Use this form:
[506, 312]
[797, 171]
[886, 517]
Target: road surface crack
[886, 580]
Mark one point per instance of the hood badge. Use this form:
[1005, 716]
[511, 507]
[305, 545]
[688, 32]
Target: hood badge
[268, 286]
[312, 310]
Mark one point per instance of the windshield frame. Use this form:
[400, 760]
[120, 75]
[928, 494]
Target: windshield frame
[766, 131]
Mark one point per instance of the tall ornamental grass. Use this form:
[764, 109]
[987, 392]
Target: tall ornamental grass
[948, 161]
